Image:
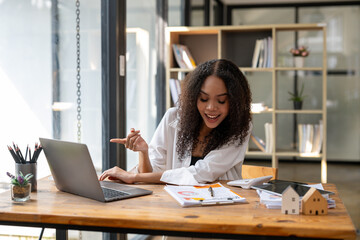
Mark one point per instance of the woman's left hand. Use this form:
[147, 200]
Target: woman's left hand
[117, 173]
[133, 141]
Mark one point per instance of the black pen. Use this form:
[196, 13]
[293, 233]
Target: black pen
[211, 191]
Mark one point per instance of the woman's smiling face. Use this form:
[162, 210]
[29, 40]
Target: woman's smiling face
[213, 102]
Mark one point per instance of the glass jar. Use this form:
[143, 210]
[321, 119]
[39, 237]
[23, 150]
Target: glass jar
[20, 193]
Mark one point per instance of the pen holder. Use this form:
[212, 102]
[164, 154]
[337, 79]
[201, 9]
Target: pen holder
[26, 168]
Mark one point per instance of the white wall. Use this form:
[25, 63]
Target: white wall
[25, 78]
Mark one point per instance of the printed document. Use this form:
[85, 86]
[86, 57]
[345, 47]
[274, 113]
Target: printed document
[203, 195]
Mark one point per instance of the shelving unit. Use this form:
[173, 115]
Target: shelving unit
[237, 43]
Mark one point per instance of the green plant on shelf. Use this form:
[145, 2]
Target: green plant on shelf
[297, 96]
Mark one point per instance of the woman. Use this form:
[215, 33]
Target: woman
[204, 139]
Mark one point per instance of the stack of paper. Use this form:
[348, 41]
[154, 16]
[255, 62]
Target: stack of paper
[203, 195]
[273, 201]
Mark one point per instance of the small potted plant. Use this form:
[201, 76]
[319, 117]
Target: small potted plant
[299, 54]
[20, 186]
[297, 98]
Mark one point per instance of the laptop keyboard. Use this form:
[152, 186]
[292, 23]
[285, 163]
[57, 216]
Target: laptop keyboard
[112, 193]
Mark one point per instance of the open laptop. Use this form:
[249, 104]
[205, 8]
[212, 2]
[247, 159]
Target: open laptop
[74, 172]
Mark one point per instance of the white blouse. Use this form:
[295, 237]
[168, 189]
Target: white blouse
[221, 164]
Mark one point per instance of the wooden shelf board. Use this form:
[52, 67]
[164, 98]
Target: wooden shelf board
[250, 69]
[270, 110]
[266, 27]
[300, 27]
[180, 70]
[300, 111]
[283, 153]
[257, 153]
[298, 69]
[193, 30]
[297, 154]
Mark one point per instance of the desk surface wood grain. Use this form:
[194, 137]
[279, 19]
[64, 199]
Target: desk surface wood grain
[160, 212]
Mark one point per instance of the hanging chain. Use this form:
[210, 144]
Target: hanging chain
[78, 70]
[78, 85]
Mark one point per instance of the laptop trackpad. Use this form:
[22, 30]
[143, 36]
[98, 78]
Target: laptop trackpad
[121, 187]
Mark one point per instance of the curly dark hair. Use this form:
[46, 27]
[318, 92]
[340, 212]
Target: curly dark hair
[234, 128]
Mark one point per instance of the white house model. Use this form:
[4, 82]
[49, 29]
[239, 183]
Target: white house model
[290, 201]
[313, 203]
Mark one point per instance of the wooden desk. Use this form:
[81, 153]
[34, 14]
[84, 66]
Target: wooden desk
[160, 214]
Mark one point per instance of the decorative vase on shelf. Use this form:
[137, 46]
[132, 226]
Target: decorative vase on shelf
[298, 105]
[299, 62]
[20, 193]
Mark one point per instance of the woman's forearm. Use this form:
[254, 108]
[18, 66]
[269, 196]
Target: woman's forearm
[150, 177]
[117, 173]
[144, 165]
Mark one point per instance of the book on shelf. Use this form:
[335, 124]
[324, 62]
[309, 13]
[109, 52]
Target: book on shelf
[175, 89]
[203, 195]
[310, 138]
[183, 56]
[262, 56]
[318, 137]
[261, 53]
[256, 54]
[301, 141]
[258, 142]
[181, 75]
[269, 49]
[269, 138]
[258, 107]
[265, 53]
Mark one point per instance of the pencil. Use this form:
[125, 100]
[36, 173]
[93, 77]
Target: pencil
[29, 158]
[26, 152]
[17, 154]
[32, 160]
[13, 154]
[20, 154]
[36, 153]
[29, 154]
[40, 148]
